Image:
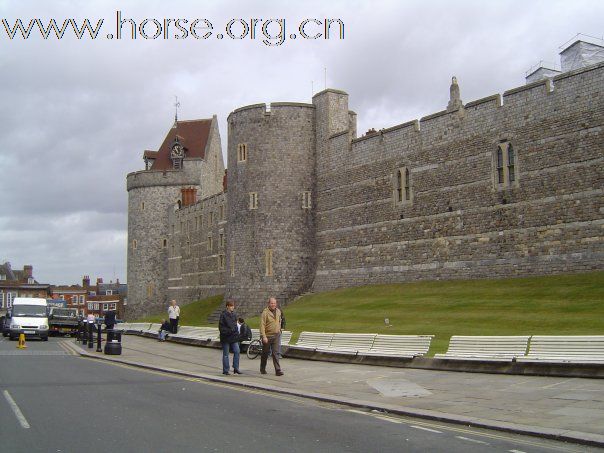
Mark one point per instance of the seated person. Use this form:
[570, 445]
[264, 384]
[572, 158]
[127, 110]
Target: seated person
[164, 330]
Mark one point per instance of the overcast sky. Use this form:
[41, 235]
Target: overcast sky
[76, 115]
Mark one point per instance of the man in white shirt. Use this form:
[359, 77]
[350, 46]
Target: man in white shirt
[173, 315]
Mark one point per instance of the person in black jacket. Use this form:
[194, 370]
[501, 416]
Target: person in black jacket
[245, 334]
[164, 330]
[109, 324]
[229, 337]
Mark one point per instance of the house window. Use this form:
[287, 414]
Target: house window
[221, 262]
[268, 262]
[241, 152]
[109, 292]
[1, 299]
[9, 299]
[113, 306]
[221, 238]
[306, 200]
[402, 186]
[232, 264]
[210, 243]
[2, 276]
[506, 166]
[253, 200]
[82, 300]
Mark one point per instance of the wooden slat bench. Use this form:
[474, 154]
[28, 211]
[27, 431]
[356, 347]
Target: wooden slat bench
[404, 346]
[571, 349]
[491, 348]
[313, 340]
[349, 343]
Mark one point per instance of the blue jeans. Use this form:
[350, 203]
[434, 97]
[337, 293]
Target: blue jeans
[225, 356]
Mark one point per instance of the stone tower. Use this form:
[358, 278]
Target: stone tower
[190, 157]
[270, 240]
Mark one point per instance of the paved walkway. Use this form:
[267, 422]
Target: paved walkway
[566, 408]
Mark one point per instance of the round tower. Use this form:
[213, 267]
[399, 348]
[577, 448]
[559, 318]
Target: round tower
[151, 196]
[271, 220]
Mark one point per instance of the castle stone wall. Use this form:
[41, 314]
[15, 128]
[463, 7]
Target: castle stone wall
[459, 225]
[194, 270]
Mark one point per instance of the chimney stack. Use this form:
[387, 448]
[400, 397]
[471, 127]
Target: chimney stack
[86, 281]
[189, 196]
[28, 270]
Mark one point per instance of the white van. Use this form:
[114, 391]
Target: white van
[29, 316]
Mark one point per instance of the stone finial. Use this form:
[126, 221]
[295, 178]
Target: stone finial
[454, 100]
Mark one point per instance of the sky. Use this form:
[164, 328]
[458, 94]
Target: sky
[77, 114]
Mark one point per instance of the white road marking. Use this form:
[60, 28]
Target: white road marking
[556, 384]
[426, 429]
[20, 417]
[472, 440]
[516, 451]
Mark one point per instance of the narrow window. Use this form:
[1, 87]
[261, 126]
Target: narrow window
[500, 178]
[211, 218]
[253, 200]
[402, 186]
[506, 166]
[134, 244]
[210, 243]
[268, 261]
[221, 262]
[164, 243]
[221, 212]
[306, 200]
[221, 238]
[241, 152]
[143, 206]
[232, 264]
[511, 164]
[399, 186]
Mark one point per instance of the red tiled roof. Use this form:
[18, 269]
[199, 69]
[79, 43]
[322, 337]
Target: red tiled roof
[193, 135]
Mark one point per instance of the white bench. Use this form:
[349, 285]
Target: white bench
[490, 348]
[313, 340]
[349, 343]
[403, 346]
[561, 349]
[286, 336]
[197, 333]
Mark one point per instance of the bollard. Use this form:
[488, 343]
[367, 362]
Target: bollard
[90, 335]
[98, 338]
[114, 346]
[84, 333]
[21, 344]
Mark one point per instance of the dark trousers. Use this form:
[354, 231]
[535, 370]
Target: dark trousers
[109, 330]
[271, 348]
[173, 325]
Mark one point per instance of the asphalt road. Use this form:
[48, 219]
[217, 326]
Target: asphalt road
[55, 401]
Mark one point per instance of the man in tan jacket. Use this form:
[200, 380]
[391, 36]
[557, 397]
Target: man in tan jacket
[270, 332]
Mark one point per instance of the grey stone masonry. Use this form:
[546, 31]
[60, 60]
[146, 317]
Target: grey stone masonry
[509, 185]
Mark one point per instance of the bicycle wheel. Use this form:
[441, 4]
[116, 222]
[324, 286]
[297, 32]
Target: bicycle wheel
[254, 349]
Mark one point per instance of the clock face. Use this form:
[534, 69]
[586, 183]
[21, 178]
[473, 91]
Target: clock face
[178, 151]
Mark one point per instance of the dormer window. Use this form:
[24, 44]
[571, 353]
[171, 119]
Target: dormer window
[30, 280]
[2, 277]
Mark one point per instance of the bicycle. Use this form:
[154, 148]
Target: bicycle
[254, 349]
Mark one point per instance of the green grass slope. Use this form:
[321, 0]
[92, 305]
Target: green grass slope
[193, 314]
[553, 305]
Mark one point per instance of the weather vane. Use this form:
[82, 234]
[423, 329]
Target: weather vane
[176, 105]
